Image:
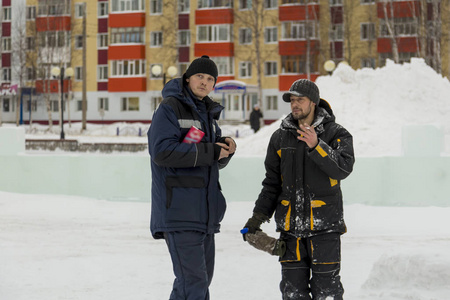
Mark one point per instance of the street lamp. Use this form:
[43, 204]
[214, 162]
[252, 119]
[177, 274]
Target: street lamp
[157, 70]
[329, 66]
[56, 71]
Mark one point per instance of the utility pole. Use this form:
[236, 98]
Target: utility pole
[84, 93]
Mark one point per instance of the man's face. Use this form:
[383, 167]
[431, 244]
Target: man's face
[201, 84]
[301, 107]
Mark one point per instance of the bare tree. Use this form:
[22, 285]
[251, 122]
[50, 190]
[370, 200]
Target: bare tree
[255, 19]
[389, 25]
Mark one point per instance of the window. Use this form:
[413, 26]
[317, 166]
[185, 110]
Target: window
[129, 103]
[298, 1]
[29, 103]
[6, 104]
[224, 65]
[127, 5]
[297, 30]
[214, 33]
[182, 67]
[102, 40]
[155, 102]
[103, 9]
[7, 14]
[6, 44]
[102, 73]
[270, 35]
[368, 31]
[336, 33]
[184, 37]
[270, 3]
[80, 105]
[402, 27]
[128, 68]
[30, 43]
[6, 74]
[103, 104]
[124, 35]
[54, 105]
[78, 41]
[215, 3]
[297, 64]
[155, 6]
[31, 74]
[335, 2]
[245, 36]
[245, 69]
[368, 63]
[79, 10]
[78, 73]
[54, 7]
[270, 68]
[245, 4]
[31, 12]
[156, 39]
[183, 6]
[271, 103]
[367, 1]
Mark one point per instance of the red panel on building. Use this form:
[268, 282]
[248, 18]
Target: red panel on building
[336, 14]
[214, 16]
[183, 21]
[405, 44]
[296, 47]
[102, 58]
[6, 60]
[404, 9]
[6, 2]
[285, 81]
[126, 52]
[214, 49]
[127, 20]
[125, 84]
[223, 78]
[298, 12]
[102, 86]
[6, 29]
[43, 86]
[56, 23]
[183, 54]
[103, 25]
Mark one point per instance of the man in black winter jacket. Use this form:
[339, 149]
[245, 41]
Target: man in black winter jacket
[187, 201]
[306, 160]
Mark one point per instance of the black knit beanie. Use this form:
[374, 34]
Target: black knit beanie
[301, 88]
[202, 65]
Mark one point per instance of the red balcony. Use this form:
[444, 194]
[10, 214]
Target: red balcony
[136, 19]
[403, 9]
[126, 52]
[51, 86]
[53, 23]
[285, 81]
[214, 49]
[297, 47]
[127, 84]
[214, 16]
[298, 12]
[405, 44]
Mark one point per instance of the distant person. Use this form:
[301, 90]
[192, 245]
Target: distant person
[306, 160]
[187, 150]
[255, 118]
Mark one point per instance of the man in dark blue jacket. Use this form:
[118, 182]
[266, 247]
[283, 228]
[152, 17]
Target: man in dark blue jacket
[187, 202]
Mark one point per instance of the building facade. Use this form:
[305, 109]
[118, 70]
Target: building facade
[123, 51]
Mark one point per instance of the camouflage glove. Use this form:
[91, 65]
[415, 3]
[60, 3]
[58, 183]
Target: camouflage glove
[254, 223]
[262, 241]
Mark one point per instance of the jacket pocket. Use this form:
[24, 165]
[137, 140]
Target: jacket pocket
[325, 214]
[221, 204]
[186, 198]
[283, 215]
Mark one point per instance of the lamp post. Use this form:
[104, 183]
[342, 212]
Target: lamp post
[56, 71]
[329, 66]
[171, 71]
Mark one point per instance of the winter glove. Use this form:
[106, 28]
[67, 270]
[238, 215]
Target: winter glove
[254, 223]
[262, 241]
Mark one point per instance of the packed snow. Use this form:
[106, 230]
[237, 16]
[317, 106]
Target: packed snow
[67, 247]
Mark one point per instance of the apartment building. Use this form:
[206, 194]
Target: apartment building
[123, 51]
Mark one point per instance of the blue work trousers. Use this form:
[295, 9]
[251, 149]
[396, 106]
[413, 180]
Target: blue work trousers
[192, 254]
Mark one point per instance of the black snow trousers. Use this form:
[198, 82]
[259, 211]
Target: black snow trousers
[310, 268]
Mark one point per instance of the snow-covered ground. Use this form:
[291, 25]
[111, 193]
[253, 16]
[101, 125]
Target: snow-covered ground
[66, 247]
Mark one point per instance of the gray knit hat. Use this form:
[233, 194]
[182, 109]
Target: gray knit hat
[202, 65]
[302, 88]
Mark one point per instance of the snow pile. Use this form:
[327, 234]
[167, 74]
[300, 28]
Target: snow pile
[406, 276]
[374, 105]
